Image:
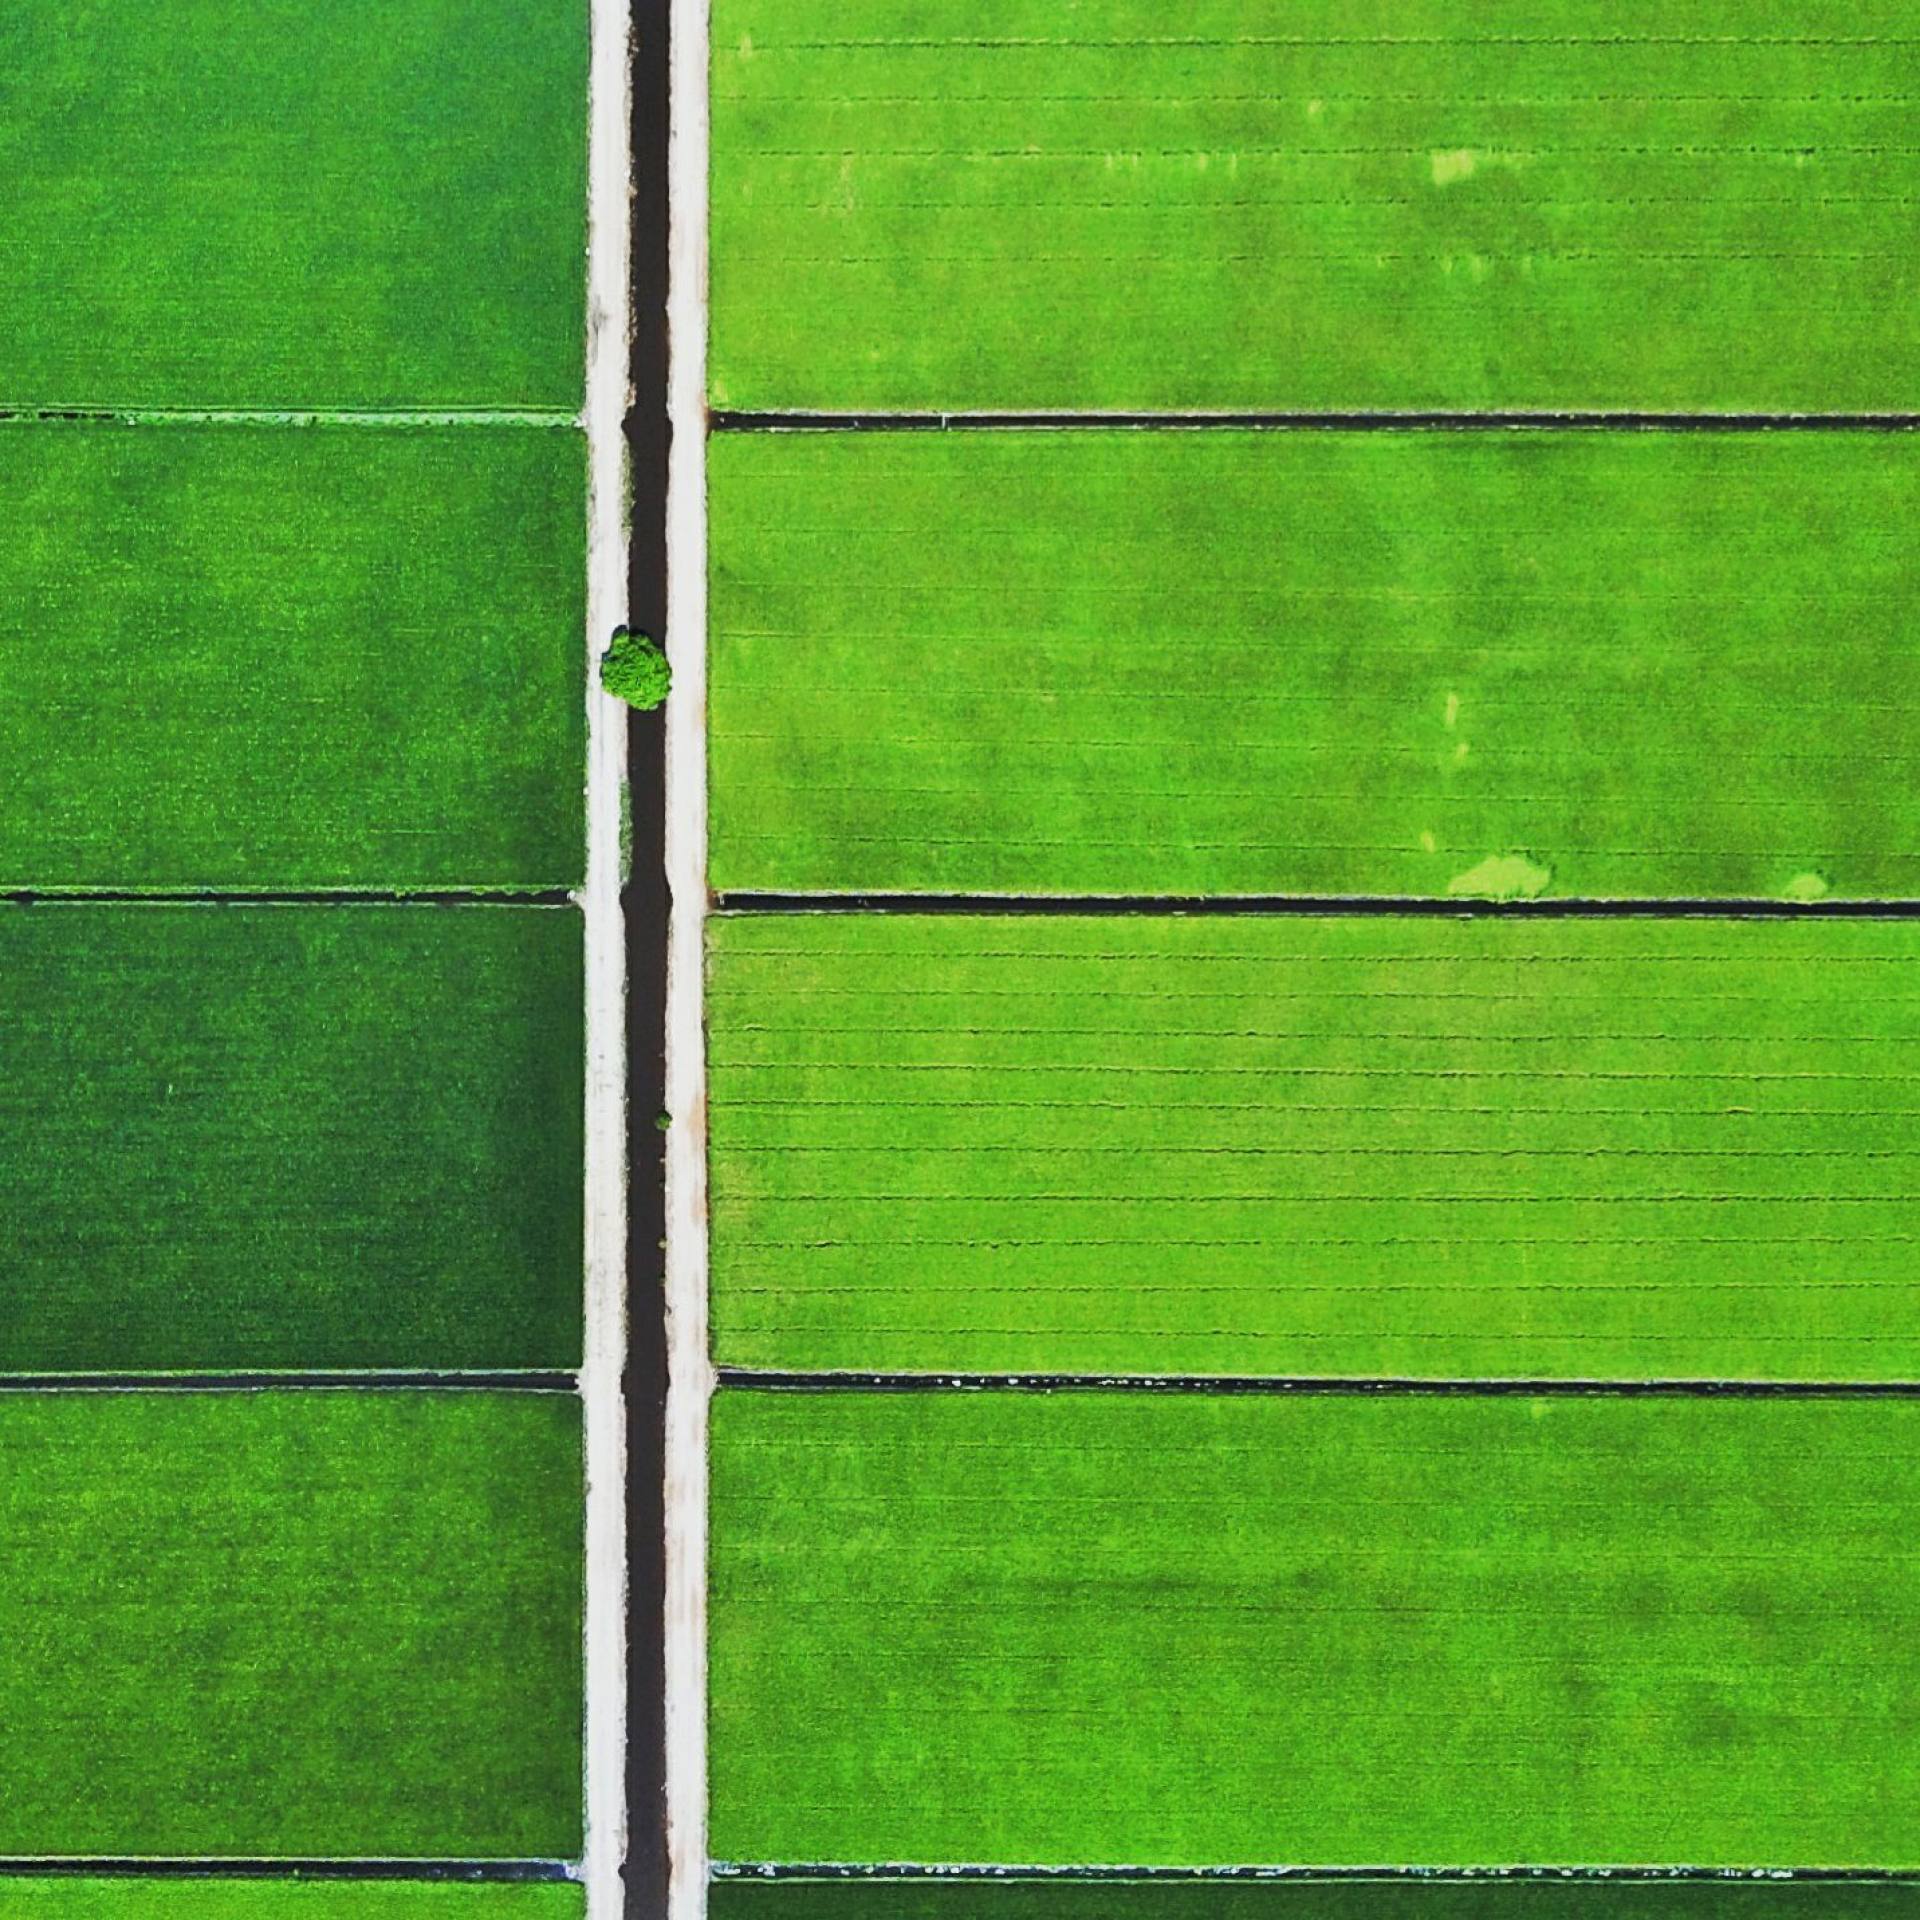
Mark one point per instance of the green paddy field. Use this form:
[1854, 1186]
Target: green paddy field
[293, 664]
[1306, 1899]
[290, 1624]
[1448, 664]
[292, 321]
[80, 1898]
[290, 1137]
[247, 659]
[1322, 207]
[1315, 1145]
[1103, 1627]
[281, 204]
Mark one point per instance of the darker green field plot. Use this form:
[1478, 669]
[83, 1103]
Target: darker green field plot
[1316, 1145]
[290, 1624]
[289, 1137]
[80, 1898]
[1382, 1899]
[224, 203]
[233, 657]
[1329, 1630]
[1314, 206]
[1321, 663]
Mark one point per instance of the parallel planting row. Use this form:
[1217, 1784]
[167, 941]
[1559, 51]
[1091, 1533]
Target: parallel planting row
[1267, 1366]
[292, 630]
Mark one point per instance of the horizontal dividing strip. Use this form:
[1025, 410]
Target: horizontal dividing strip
[270, 897]
[1856, 1876]
[67, 1867]
[1245, 1385]
[515, 1381]
[726, 421]
[290, 417]
[1322, 905]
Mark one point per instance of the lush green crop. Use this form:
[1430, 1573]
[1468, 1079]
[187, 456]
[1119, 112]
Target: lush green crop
[1294, 1899]
[1316, 1145]
[176, 1898]
[1339, 1630]
[290, 1137]
[244, 650]
[251, 658]
[290, 1624]
[282, 204]
[1324, 663]
[1313, 205]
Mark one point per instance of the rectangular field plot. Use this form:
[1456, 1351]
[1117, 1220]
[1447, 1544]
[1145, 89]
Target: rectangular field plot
[235, 657]
[288, 1625]
[1629, 665]
[1178, 1629]
[1289, 1146]
[290, 1137]
[80, 1898]
[1296, 1899]
[1314, 206]
[218, 203]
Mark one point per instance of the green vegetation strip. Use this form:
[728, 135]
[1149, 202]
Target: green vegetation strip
[1401, 1899]
[230, 203]
[235, 657]
[290, 1625]
[250, 1899]
[1326, 663]
[1315, 206]
[1297, 1145]
[1333, 1630]
[289, 1137]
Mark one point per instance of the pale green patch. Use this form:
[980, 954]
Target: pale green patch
[1502, 876]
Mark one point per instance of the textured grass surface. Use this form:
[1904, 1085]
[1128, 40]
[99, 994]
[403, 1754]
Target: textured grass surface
[1334, 663]
[237, 657]
[301, 1137]
[1313, 206]
[290, 1624]
[259, 203]
[1305, 1900]
[214, 1899]
[1334, 1630]
[1372, 1146]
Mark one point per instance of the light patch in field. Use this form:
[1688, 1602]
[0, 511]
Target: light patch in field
[1502, 876]
[1453, 711]
[1454, 163]
[1428, 844]
[1806, 887]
